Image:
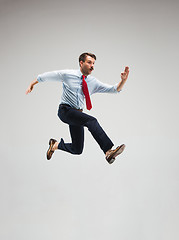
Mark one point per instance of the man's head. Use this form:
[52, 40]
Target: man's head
[87, 61]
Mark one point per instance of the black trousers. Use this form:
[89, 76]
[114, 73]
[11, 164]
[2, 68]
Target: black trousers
[77, 120]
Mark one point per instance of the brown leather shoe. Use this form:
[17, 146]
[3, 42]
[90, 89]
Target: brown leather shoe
[50, 149]
[114, 153]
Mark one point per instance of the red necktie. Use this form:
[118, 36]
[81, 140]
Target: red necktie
[86, 93]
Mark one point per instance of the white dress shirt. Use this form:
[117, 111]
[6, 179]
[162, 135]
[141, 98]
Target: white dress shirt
[72, 86]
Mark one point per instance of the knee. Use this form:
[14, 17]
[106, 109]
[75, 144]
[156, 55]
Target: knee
[78, 152]
[92, 123]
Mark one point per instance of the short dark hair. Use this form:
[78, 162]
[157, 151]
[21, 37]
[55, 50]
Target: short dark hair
[83, 56]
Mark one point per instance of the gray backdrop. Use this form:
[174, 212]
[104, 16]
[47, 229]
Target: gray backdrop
[83, 197]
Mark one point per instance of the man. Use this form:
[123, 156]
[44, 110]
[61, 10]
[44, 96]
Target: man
[77, 86]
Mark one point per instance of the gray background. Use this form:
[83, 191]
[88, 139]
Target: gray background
[83, 197]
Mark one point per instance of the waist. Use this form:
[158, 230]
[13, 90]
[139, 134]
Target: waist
[66, 105]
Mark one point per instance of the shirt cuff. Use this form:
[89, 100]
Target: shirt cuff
[115, 88]
[39, 79]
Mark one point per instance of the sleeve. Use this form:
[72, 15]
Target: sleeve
[50, 76]
[105, 88]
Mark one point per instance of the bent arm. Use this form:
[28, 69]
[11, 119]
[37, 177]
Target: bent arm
[31, 86]
[106, 88]
[47, 76]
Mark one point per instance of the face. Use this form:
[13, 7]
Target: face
[88, 66]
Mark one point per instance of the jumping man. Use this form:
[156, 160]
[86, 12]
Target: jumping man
[78, 85]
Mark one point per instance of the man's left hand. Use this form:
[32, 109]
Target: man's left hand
[124, 75]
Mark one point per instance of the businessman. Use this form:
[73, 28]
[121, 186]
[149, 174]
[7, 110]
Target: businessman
[78, 85]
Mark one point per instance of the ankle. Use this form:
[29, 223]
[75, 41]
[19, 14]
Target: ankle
[107, 153]
[55, 146]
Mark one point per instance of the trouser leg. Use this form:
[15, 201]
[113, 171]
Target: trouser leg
[77, 138]
[76, 118]
[99, 134]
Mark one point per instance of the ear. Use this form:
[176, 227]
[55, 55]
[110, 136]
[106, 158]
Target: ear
[81, 63]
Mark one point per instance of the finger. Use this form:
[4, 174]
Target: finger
[28, 91]
[126, 69]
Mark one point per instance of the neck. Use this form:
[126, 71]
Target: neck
[85, 74]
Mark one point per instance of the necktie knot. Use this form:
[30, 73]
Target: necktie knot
[86, 93]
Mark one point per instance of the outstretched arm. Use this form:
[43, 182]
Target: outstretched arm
[124, 76]
[31, 86]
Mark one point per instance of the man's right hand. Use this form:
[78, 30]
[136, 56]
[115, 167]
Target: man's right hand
[31, 86]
